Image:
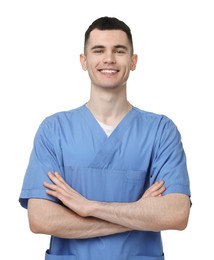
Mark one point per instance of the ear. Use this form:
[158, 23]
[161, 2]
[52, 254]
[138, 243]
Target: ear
[83, 61]
[134, 61]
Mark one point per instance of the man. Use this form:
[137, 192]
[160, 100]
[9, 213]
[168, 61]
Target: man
[104, 179]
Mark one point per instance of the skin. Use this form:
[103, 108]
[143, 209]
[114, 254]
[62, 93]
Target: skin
[151, 212]
[108, 61]
[65, 222]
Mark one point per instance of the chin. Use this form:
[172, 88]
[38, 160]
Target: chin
[111, 86]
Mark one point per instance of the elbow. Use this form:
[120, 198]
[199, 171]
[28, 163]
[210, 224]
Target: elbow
[183, 222]
[38, 218]
[33, 228]
[181, 225]
[182, 218]
[179, 210]
[35, 225]
[177, 223]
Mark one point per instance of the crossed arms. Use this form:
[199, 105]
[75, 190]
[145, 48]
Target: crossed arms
[83, 218]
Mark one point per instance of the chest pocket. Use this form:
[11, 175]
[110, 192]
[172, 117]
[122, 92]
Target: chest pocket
[107, 185]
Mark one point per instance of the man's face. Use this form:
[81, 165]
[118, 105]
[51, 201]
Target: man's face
[108, 58]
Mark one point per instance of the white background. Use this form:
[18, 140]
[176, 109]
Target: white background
[40, 74]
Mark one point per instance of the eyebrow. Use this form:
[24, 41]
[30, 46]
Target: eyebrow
[97, 47]
[119, 46]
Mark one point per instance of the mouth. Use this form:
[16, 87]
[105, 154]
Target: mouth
[108, 71]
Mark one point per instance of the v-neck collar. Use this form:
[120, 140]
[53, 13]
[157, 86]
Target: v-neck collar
[95, 126]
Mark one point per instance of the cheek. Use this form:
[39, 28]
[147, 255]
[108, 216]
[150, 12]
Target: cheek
[92, 72]
[93, 65]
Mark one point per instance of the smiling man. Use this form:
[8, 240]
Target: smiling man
[106, 178]
[108, 58]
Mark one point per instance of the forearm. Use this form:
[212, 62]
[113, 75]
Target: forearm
[47, 217]
[152, 212]
[148, 214]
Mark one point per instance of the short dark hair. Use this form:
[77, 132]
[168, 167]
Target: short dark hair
[109, 23]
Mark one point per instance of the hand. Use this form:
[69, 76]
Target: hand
[155, 190]
[78, 203]
[68, 196]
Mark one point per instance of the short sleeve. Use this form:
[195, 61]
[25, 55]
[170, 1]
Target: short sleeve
[44, 157]
[169, 160]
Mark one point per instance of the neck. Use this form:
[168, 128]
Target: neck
[109, 107]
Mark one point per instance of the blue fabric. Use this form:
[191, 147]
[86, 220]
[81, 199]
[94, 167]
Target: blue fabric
[144, 148]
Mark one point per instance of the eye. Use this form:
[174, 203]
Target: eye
[98, 51]
[120, 51]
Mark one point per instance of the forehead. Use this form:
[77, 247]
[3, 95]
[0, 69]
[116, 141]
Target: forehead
[108, 38]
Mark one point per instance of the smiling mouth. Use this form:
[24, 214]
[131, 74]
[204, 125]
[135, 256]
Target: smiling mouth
[108, 71]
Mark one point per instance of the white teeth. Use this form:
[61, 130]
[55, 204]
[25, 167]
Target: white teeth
[108, 71]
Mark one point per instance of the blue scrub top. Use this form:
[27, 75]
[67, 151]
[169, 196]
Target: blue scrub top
[144, 148]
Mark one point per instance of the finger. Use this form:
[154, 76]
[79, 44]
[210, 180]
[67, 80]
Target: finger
[53, 178]
[57, 194]
[158, 192]
[49, 185]
[52, 193]
[56, 191]
[57, 180]
[59, 177]
[156, 185]
[60, 186]
[61, 180]
[154, 189]
[56, 184]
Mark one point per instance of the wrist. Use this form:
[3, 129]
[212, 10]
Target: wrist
[92, 208]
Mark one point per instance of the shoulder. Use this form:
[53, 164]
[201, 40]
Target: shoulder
[158, 123]
[152, 117]
[62, 117]
[59, 122]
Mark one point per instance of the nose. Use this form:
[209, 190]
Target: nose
[109, 57]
